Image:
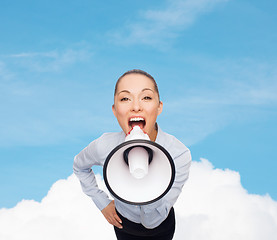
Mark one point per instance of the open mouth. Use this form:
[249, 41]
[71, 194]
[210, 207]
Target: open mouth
[137, 121]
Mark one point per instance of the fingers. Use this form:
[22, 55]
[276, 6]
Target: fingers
[111, 215]
[118, 221]
[115, 220]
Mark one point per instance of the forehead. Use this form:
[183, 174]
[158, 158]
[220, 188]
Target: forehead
[135, 82]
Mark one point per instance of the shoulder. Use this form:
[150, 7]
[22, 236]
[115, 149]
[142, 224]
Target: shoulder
[111, 137]
[173, 145]
[106, 143]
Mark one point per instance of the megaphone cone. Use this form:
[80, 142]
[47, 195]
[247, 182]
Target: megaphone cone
[139, 171]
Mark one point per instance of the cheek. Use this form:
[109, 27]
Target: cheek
[120, 112]
[155, 110]
[152, 114]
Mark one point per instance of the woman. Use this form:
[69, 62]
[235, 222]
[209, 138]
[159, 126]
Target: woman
[136, 102]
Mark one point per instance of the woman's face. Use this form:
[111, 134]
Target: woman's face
[136, 102]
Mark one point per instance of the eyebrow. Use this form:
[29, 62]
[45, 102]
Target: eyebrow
[124, 91]
[145, 89]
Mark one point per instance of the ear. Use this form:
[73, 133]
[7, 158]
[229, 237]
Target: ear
[160, 108]
[114, 111]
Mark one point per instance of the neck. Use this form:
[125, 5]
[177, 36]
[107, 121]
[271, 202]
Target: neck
[154, 133]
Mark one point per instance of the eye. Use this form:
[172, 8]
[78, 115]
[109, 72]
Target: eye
[147, 98]
[124, 99]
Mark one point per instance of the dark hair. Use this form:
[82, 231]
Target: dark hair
[137, 71]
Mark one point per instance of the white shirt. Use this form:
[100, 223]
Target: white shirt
[151, 215]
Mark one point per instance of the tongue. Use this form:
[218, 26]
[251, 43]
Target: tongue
[140, 124]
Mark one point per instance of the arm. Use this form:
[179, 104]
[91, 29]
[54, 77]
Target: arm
[82, 169]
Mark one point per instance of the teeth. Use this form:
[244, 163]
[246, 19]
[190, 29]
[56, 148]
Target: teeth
[136, 119]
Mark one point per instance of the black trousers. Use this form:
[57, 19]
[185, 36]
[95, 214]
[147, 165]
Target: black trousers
[135, 231]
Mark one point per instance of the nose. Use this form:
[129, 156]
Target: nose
[136, 106]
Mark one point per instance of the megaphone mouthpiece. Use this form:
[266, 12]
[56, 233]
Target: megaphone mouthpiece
[136, 133]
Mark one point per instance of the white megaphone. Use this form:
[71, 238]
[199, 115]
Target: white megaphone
[139, 171]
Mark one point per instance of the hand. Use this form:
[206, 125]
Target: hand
[111, 215]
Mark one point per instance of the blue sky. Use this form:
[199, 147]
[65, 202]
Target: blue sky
[214, 61]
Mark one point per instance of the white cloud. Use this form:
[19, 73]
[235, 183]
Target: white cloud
[212, 206]
[218, 207]
[158, 26]
[65, 213]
